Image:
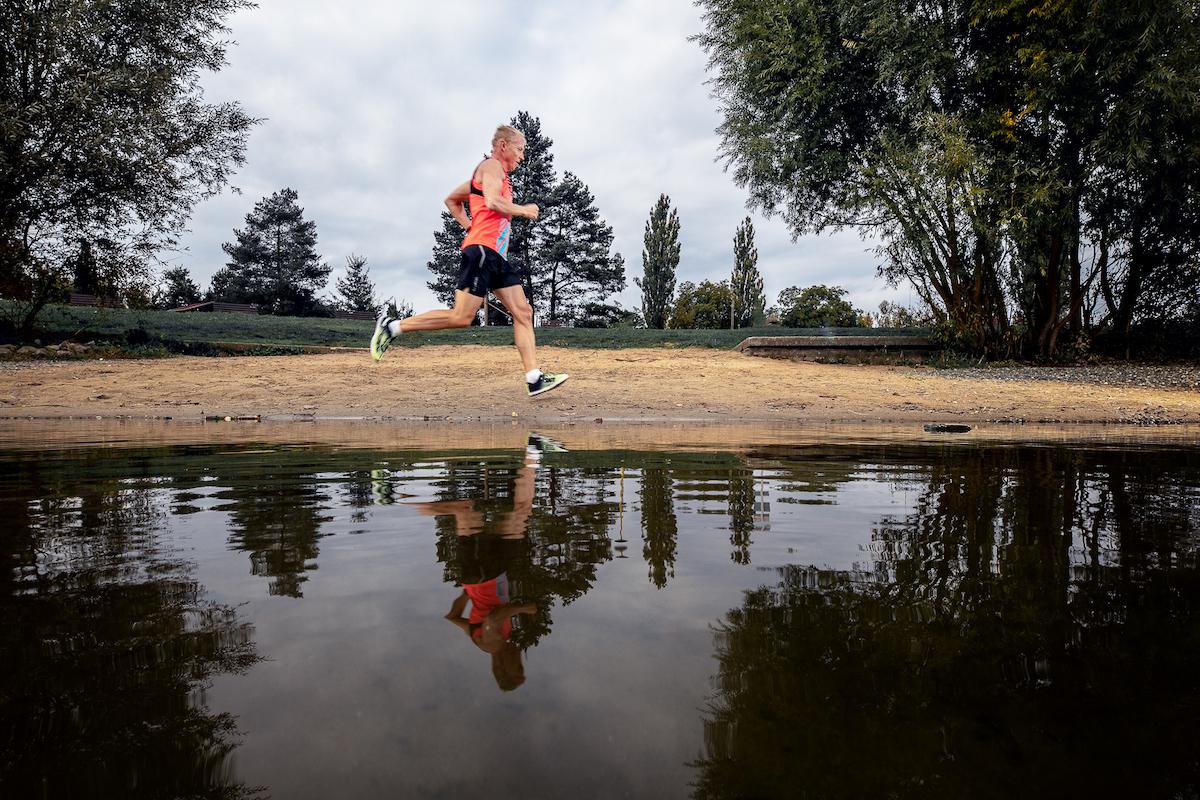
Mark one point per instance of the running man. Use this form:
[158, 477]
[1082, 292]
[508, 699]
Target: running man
[485, 264]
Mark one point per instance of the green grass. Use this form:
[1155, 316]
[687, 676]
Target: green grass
[190, 332]
[84, 323]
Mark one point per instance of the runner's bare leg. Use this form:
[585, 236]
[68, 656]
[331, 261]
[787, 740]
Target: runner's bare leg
[513, 298]
[466, 305]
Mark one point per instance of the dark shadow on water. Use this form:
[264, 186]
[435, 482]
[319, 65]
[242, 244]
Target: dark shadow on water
[108, 645]
[1030, 629]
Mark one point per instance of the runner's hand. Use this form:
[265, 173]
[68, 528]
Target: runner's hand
[532, 211]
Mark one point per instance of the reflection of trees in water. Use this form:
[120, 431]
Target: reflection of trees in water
[565, 541]
[108, 644]
[1031, 628]
[741, 514]
[276, 511]
[659, 528]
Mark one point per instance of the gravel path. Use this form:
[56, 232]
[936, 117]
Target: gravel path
[1176, 376]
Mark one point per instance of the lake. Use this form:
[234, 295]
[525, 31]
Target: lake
[544, 614]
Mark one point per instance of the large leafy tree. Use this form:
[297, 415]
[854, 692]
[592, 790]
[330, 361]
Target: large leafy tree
[105, 137]
[274, 262]
[355, 289]
[817, 307]
[746, 283]
[705, 305]
[660, 260]
[577, 264]
[1030, 167]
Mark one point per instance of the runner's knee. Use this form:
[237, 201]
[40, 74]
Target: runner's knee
[522, 314]
[462, 319]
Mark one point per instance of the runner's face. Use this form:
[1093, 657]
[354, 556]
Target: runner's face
[511, 153]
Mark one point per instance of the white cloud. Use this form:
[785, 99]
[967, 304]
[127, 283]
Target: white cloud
[375, 110]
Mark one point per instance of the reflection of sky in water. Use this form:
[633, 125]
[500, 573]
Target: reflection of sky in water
[364, 689]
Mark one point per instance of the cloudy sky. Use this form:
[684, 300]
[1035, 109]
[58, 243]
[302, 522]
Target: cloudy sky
[373, 110]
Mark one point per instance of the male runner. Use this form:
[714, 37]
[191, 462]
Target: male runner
[485, 265]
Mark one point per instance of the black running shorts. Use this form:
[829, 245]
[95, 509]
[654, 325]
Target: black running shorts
[484, 270]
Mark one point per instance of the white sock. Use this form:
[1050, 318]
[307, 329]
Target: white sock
[394, 328]
[533, 375]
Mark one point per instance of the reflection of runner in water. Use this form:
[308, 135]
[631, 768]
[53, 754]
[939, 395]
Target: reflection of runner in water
[484, 559]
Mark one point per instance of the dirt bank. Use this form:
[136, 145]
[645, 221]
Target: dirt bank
[473, 382]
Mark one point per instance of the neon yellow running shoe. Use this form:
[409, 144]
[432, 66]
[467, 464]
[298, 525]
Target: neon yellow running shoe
[381, 339]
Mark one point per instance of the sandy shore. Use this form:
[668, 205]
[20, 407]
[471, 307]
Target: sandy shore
[483, 383]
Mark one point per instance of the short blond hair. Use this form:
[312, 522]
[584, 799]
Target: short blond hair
[507, 133]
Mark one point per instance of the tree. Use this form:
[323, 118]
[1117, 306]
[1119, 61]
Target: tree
[86, 281]
[356, 289]
[178, 289]
[894, 315]
[1031, 168]
[817, 307]
[660, 259]
[274, 263]
[745, 283]
[607, 315]
[533, 181]
[707, 305]
[104, 136]
[446, 259]
[574, 244]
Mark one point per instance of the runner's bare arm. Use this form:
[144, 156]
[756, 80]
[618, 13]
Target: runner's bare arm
[454, 203]
[456, 613]
[492, 177]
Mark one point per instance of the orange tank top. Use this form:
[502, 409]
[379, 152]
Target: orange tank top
[488, 228]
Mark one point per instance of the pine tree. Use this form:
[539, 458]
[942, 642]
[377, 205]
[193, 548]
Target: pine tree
[274, 263]
[574, 243]
[746, 282]
[533, 181]
[660, 259]
[178, 289]
[446, 259]
[356, 289]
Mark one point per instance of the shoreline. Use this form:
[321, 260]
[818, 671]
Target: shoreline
[760, 438]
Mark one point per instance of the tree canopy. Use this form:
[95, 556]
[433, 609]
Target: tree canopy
[1031, 168]
[705, 305]
[105, 138]
[817, 307]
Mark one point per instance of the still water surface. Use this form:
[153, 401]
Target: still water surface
[821, 621]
